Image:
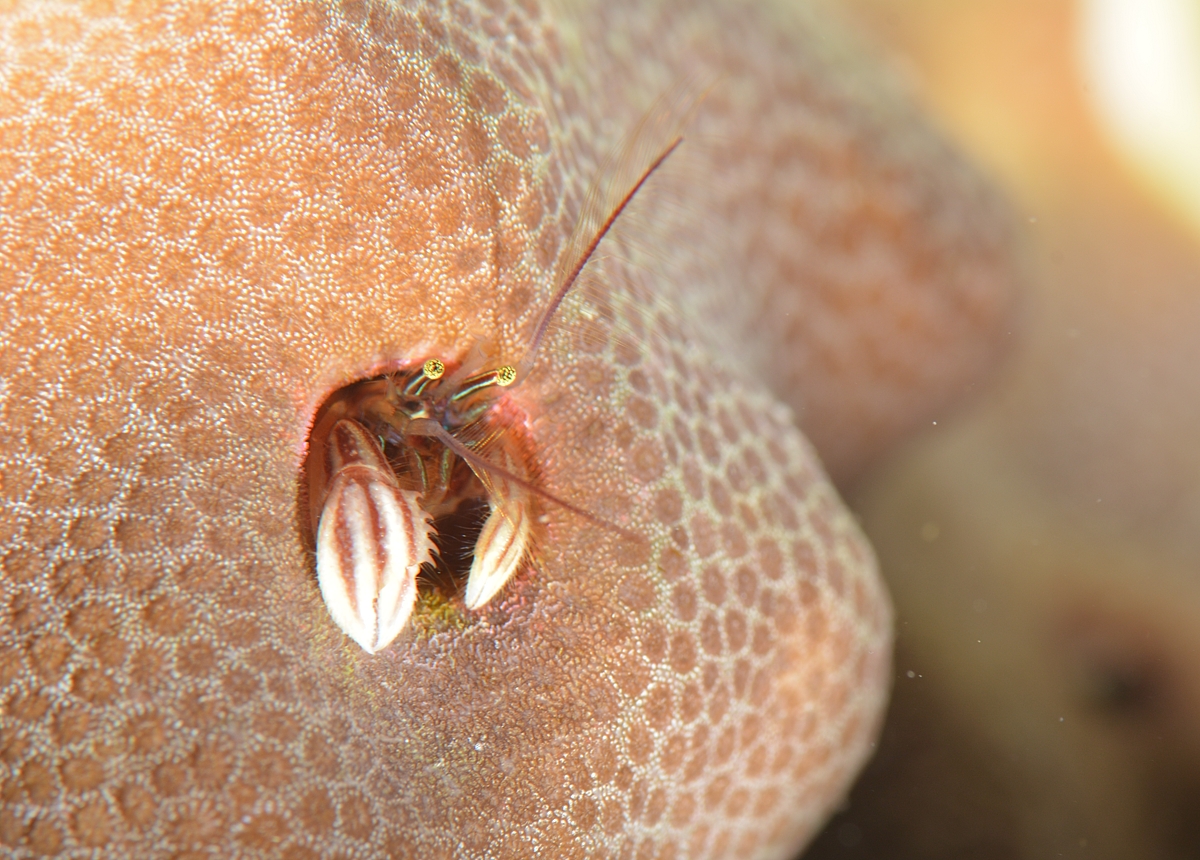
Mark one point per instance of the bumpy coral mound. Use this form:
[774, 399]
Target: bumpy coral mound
[212, 215]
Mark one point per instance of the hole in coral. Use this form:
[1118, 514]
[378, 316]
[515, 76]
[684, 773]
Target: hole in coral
[452, 494]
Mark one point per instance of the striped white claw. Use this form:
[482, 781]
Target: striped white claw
[503, 542]
[372, 539]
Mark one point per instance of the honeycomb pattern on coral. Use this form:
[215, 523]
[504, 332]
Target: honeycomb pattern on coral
[214, 214]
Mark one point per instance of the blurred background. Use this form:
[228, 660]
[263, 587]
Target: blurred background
[1042, 541]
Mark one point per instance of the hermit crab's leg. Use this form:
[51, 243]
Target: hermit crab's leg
[372, 539]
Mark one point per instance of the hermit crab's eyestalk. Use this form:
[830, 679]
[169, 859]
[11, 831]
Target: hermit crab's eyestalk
[431, 371]
[372, 539]
[501, 376]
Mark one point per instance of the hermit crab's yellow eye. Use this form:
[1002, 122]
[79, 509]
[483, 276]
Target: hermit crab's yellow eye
[506, 375]
[431, 371]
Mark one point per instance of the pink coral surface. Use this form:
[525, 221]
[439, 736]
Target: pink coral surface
[213, 215]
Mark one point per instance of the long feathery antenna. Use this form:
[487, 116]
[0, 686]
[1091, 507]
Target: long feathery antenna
[573, 275]
[618, 181]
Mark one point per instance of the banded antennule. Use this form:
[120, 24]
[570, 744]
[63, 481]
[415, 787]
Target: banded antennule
[423, 457]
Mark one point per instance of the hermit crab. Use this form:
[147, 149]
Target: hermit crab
[405, 451]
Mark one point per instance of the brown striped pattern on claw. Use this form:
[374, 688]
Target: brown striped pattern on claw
[504, 541]
[372, 539]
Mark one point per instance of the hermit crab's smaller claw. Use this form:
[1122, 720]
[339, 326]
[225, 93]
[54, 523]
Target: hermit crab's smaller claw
[502, 546]
[504, 541]
[372, 539]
